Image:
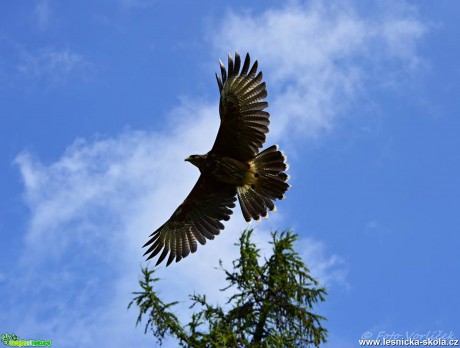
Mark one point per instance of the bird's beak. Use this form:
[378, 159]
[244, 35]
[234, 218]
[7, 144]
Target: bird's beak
[187, 159]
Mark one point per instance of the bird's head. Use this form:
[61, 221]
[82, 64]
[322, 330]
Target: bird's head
[196, 160]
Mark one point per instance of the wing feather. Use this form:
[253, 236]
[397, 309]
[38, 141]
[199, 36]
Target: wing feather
[244, 123]
[198, 218]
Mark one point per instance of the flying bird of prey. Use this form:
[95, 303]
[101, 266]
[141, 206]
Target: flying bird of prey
[233, 167]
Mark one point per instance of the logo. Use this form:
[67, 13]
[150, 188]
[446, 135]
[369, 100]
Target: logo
[14, 341]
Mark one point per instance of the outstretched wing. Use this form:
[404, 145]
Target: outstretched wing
[243, 123]
[196, 219]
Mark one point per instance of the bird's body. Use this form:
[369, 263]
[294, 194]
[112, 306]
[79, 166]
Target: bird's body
[233, 167]
[223, 169]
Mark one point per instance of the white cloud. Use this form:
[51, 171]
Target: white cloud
[53, 64]
[329, 269]
[42, 13]
[319, 56]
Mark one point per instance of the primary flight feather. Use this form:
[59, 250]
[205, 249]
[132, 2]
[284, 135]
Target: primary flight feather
[233, 167]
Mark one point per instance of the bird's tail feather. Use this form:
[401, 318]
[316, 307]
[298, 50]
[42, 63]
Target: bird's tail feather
[267, 182]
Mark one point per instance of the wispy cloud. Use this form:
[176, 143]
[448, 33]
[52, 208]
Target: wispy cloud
[50, 65]
[137, 3]
[42, 13]
[330, 269]
[53, 64]
[319, 56]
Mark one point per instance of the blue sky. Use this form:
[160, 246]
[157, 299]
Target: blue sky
[101, 102]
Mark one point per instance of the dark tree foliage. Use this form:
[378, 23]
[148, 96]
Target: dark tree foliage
[272, 306]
